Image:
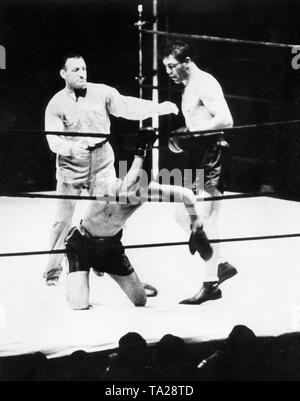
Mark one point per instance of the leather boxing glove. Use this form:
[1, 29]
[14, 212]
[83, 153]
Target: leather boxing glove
[176, 142]
[144, 140]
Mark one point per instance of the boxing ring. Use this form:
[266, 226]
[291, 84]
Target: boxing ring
[264, 295]
[259, 234]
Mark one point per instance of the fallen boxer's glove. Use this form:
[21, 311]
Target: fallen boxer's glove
[144, 140]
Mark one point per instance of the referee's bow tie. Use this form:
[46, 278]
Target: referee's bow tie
[80, 92]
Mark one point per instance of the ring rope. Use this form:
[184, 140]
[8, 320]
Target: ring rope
[228, 96]
[60, 133]
[162, 244]
[286, 136]
[236, 128]
[162, 135]
[272, 194]
[219, 39]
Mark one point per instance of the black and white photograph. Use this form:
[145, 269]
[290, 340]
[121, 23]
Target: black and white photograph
[149, 193]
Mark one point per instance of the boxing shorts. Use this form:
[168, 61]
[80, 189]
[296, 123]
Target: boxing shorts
[103, 254]
[212, 154]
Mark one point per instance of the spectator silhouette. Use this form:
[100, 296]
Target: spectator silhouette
[239, 358]
[244, 362]
[29, 367]
[170, 359]
[130, 360]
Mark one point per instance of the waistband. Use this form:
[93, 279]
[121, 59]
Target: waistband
[210, 135]
[98, 145]
[115, 237]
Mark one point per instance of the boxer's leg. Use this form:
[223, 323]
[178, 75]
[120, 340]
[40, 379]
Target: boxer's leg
[215, 164]
[198, 239]
[132, 287]
[77, 290]
[77, 284]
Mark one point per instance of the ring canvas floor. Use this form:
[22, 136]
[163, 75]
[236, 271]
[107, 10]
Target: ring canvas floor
[264, 295]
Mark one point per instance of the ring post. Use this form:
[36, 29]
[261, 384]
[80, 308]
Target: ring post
[155, 120]
[140, 77]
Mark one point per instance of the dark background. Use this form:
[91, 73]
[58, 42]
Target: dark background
[259, 82]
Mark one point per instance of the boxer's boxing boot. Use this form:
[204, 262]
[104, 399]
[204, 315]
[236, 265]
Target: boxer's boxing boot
[209, 291]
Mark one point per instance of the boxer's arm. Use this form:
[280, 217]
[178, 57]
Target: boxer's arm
[212, 97]
[134, 182]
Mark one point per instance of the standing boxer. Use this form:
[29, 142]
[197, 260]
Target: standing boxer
[204, 108]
